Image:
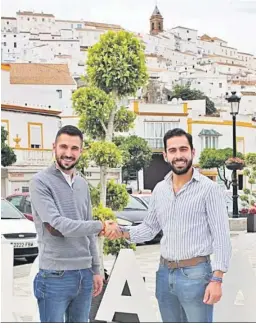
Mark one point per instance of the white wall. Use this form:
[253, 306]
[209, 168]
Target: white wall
[35, 23]
[89, 37]
[186, 33]
[38, 96]
[18, 124]
[225, 140]
[8, 24]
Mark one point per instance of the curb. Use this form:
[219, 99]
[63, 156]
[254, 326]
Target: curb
[239, 224]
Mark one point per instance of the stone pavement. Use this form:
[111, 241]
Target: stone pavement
[239, 289]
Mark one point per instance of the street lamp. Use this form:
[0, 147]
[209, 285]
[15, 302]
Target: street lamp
[234, 100]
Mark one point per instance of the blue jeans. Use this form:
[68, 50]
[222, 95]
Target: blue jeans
[180, 293]
[64, 296]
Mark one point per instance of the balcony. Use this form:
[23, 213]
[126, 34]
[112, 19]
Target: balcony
[155, 143]
[31, 157]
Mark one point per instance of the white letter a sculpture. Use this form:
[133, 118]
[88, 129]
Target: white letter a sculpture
[126, 272]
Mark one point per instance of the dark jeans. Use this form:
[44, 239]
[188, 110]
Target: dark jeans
[64, 296]
[180, 293]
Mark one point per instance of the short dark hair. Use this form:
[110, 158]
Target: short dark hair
[70, 130]
[178, 133]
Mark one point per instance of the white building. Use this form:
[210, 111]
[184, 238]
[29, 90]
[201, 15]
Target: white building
[32, 132]
[154, 120]
[38, 85]
[40, 38]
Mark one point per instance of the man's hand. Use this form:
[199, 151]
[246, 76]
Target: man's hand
[213, 293]
[111, 230]
[97, 284]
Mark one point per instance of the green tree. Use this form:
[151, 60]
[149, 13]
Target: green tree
[8, 156]
[215, 158]
[137, 155]
[115, 69]
[186, 93]
[117, 196]
[249, 196]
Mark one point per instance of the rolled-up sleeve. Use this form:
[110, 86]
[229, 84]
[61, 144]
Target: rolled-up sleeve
[217, 217]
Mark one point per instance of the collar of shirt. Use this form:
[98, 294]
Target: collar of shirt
[69, 179]
[195, 176]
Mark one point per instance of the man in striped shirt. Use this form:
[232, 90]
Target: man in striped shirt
[190, 209]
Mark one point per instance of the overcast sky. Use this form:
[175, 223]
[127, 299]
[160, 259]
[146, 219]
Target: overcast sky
[231, 20]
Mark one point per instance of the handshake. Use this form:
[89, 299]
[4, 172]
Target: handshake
[112, 231]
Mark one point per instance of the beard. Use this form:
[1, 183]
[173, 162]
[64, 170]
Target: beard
[66, 167]
[182, 170]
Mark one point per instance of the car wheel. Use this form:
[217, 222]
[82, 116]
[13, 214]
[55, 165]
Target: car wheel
[31, 259]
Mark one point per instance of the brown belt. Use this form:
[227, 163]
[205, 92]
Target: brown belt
[184, 263]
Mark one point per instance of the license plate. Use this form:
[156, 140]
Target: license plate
[25, 244]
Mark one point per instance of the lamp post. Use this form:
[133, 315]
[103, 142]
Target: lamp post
[234, 100]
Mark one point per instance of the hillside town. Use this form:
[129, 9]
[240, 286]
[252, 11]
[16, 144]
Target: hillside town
[43, 60]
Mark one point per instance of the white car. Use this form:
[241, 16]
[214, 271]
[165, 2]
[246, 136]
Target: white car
[18, 231]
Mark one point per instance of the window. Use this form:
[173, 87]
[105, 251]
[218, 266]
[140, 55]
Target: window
[240, 181]
[27, 203]
[79, 25]
[15, 44]
[209, 142]
[152, 26]
[155, 131]
[28, 19]
[220, 85]
[7, 23]
[25, 189]
[60, 93]
[5, 124]
[159, 26]
[42, 19]
[72, 25]
[15, 35]
[134, 204]
[35, 135]
[4, 36]
[16, 201]
[4, 44]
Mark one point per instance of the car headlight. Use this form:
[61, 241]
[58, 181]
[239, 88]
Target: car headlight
[124, 222]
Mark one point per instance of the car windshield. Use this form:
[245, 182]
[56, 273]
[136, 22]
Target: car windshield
[8, 211]
[135, 205]
[146, 198]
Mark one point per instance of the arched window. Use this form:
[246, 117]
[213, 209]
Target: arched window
[153, 26]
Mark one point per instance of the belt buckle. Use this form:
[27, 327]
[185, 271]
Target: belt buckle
[173, 264]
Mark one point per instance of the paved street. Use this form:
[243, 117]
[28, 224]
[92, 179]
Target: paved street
[239, 290]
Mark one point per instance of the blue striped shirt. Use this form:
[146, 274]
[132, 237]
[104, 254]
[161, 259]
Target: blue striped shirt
[194, 221]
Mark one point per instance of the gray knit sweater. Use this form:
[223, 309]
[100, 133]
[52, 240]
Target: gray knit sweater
[69, 211]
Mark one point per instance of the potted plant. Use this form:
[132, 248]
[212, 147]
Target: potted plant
[251, 219]
[234, 163]
[243, 213]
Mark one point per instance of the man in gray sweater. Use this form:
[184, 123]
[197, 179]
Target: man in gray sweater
[69, 265]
